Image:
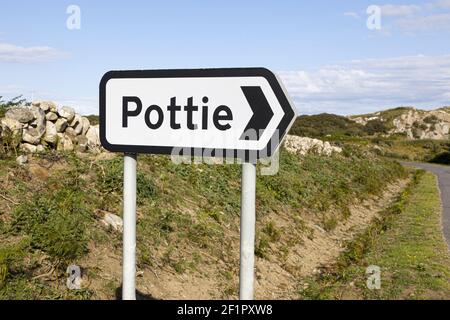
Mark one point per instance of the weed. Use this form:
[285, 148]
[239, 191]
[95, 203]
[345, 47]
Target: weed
[329, 222]
[262, 245]
[272, 231]
[56, 224]
[110, 179]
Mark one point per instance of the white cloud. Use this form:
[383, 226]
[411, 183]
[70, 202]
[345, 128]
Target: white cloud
[391, 10]
[373, 84]
[17, 54]
[352, 15]
[443, 3]
[437, 22]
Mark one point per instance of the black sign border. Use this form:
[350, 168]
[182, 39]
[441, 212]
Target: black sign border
[268, 151]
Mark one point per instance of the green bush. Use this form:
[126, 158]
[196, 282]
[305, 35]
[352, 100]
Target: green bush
[431, 119]
[11, 257]
[375, 126]
[56, 224]
[321, 125]
[93, 119]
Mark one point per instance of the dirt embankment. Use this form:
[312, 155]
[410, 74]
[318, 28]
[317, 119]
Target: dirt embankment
[300, 253]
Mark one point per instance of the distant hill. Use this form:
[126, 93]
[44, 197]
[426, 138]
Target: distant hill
[321, 125]
[409, 121]
[403, 121]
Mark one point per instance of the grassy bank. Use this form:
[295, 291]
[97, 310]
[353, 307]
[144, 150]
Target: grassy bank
[188, 217]
[434, 151]
[406, 243]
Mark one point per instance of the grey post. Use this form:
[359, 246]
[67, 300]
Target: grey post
[129, 227]
[248, 217]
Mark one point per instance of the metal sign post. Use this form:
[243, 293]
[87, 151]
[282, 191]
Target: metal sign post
[248, 218]
[225, 113]
[129, 227]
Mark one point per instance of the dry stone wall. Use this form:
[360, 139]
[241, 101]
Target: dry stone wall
[42, 125]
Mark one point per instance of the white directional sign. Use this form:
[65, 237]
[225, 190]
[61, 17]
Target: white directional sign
[219, 112]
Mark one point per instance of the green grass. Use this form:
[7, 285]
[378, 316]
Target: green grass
[56, 223]
[406, 243]
[401, 148]
[413, 150]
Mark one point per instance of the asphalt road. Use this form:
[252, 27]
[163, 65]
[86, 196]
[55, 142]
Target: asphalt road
[443, 174]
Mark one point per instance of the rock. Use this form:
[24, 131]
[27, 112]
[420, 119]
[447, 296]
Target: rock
[51, 134]
[39, 126]
[64, 143]
[75, 121]
[31, 135]
[415, 124]
[28, 148]
[36, 104]
[51, 116]
[38, 171]
[81, 143]
[93, 136]
[11, 124]
[22, 160]
[67, 113]
[113, 221]
[77, 124]
[47, 106]
[61, 125]
[303, 145]
[71, 133]
[21, 114]
[12, 131]
[40, 148]
[78, 128]
[86, 124]
[39, 119]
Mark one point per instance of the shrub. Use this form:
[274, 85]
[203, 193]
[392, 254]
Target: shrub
[56, 224]
[321, 125]
[441, 158]
[431, 119]
[375, 126]
[10, 258]
[93, 119]
[262, 246]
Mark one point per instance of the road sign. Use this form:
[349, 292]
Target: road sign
[229, 113]
[209, 112]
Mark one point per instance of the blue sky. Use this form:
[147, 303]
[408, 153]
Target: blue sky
[328, 58]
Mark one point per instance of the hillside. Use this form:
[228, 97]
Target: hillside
[323, 125]
[412, 123]
[53, 209]
[403, 133]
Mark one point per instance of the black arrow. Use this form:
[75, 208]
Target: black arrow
[262, 113]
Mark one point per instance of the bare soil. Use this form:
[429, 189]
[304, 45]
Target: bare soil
[300, 252]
